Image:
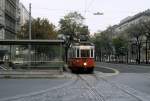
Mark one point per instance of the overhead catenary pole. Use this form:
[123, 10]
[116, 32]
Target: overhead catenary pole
[30, 38]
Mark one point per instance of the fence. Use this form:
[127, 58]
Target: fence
[131, 55]
[31, 54]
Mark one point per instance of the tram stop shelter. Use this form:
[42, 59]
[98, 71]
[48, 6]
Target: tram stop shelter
[32, 54]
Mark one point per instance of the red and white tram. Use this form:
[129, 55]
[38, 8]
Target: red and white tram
[81, 57]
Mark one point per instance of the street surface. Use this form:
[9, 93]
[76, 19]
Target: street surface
[124, 68]
[87, 87]
[15, 87]
[134, 76]
[128, 85]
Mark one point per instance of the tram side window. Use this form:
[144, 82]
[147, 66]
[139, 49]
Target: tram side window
[85, 53]
[73, 53]
[78, 52]
[92, 55]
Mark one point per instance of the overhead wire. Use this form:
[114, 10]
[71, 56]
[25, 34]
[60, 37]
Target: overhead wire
[90, 4]
[85, 8]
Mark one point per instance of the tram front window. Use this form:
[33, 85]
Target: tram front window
[85, 53]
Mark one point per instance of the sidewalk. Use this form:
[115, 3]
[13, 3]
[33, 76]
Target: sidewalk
[142, 64]
[31, 73]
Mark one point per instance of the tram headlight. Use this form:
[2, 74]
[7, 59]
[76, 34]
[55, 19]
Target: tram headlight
[84, 63]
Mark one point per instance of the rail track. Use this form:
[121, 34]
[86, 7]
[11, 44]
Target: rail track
[84, 87]
[100, 93]
[123, 90]
[98, 96]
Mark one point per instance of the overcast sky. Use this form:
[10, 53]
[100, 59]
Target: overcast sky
[114, 10]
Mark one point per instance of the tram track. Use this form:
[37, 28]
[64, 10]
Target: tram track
[138, 98]
[92, 90]
[84, 87]
[99, 94]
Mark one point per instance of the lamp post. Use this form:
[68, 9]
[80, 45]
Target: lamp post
[30, 37]
[147, 38]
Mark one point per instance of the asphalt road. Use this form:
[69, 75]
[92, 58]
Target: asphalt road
[85, 87]
[137, 81]
[134, 76]
[124, 68]
[15, 87]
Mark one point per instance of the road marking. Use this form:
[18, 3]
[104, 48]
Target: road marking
[116, 72]
[3, 68]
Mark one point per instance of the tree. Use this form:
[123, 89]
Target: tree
[72, 27]
[136, 33]
[146, 25]
[41, 29]
[121, 46]
[103, 45]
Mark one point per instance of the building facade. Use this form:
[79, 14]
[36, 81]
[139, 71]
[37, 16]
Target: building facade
[133, 48]
[23, 15]
[8, 18]
[127, 22]
[23, 18]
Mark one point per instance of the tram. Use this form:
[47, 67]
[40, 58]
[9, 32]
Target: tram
[81, 57]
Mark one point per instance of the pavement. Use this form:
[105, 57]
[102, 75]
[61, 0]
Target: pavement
[124, 68]
[138, 81]
[85, 87]
[134, 76]
[30, 73]
[110, 82]
[17, 87]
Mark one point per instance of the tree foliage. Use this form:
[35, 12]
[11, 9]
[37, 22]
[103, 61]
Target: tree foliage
[146, 26]
[72, 25]
[120, 44]
[41, 29]
[136, 33]
[103, 44]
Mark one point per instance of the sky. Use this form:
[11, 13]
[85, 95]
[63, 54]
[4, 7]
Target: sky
[113, 10]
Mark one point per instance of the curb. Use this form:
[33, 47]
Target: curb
[31, 74]
[116, 72]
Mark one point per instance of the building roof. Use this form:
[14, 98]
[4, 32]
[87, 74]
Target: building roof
[145, 13]
[35, 42]
[85, 43]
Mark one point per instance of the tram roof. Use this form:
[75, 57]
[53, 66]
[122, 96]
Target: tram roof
[35, 42]
[83, 43]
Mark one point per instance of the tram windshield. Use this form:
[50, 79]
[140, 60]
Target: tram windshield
[85, 53]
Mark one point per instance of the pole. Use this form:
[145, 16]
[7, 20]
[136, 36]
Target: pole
[146, 51]
[29, 36]
[30, 22]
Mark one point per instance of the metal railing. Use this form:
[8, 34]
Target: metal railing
[44, 54]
